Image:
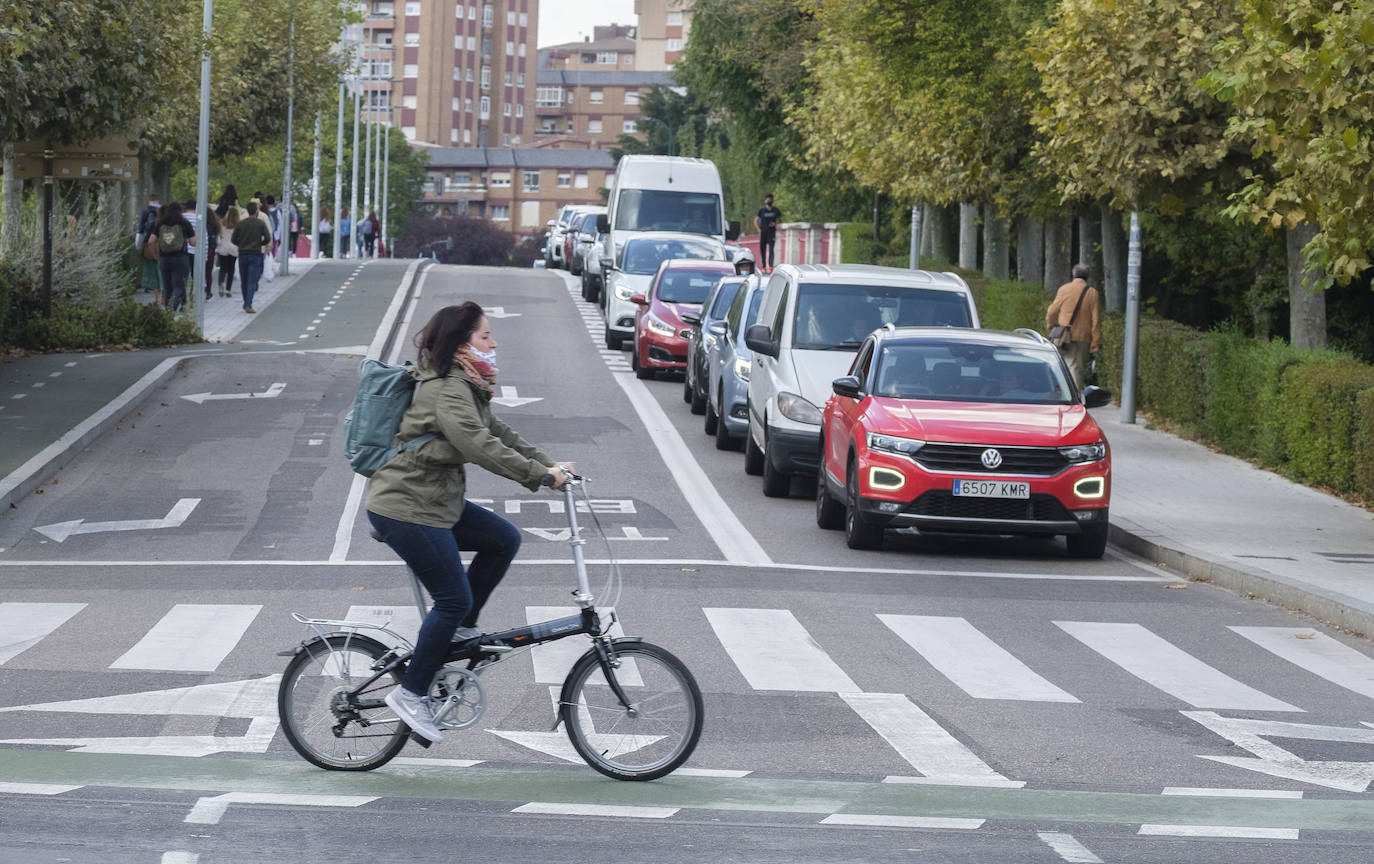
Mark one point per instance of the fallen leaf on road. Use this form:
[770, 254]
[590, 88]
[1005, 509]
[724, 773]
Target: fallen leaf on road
[1176, 586]
[1307, 635]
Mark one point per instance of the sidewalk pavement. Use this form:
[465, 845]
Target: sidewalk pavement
[224, 316]
[1210, 516]
[1222, 520]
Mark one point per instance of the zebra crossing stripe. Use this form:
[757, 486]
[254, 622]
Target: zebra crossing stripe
[1160, 664]
[613, 810]
[976, 664]
[916, 736]
[773, 651]
[190, 638]
[23, 625]
[1317, 653]
[1067, 847]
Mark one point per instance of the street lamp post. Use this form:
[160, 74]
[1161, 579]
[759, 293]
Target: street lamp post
[386, 187]
[198, 285]
[315, 193]
[338, 177]
[284, 253]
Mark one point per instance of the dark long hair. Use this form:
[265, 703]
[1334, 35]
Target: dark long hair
[171, 214]
[449, 329]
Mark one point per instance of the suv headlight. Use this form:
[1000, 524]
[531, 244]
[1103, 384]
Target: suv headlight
[1085, 452]
[623, 291]
[794, 407]
[893, 444]
[742, 368]
[658, 325]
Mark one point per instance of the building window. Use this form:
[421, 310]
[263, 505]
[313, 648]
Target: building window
[486, 77]
[410, 70]
[524, 19]
[596, 97]
[412, 8]
[580, 181]
[467, 136]
[467, 105]
[409, 101]
[607, 58]
[472, 14]
[519, 109]
[468, 74]
[458, 11]
[509, 77]
[520, 49]
[486, 47]
[453, 136]
[629, 59]
[593, 127]
[510, 19]
[520, 80]
[505, 110]
[500, 212]
[381, 68]
[530, 181]
[484, 107]
[629, 127]
[570, 97]
[505, 140]
[462, 178]
[457, 105]
[412, 40]
[488, 15]
[510, 48]
[564, 180]
[674, 44]
[500, 179]
[548, 97]
[674, 19]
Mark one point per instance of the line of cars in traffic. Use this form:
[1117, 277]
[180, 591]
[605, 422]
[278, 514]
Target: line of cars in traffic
[873, 388]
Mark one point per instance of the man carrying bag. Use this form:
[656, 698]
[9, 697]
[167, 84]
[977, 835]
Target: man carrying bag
[1077, 336]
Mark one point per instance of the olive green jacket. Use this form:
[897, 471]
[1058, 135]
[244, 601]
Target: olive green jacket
[426, 484]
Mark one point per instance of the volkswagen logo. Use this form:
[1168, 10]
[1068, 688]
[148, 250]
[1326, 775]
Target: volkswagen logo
[991, 458]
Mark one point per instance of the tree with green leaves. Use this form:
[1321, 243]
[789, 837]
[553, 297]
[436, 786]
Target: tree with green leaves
[673, 124]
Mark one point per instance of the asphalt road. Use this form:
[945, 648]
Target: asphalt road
[940, 700]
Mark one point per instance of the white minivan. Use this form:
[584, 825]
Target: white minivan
[812, 320]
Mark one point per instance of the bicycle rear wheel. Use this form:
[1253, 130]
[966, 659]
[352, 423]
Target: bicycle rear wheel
[325, 720]
[652, 737]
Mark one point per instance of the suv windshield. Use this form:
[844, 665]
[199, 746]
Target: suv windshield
[683, 285]
[960, 372]
[643, 255]
[831, 316]
[659, 210]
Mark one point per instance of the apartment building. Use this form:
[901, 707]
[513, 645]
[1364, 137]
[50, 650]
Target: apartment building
[517, 188]
[452, 71]
[590, 109]
[663, 29]
[610, 47]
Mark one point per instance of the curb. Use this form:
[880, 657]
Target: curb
[55, 456]
[1332, 607]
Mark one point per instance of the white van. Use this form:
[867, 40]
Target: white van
[664, 193]
[811, 322]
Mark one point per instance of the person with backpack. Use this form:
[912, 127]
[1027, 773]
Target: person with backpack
[417, 503]
[173, 238]
[151, 277]
[251, 237]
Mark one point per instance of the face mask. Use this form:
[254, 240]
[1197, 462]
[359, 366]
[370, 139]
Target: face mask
[488, 357]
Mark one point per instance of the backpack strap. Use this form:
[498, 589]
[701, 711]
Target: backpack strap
[1076, 306]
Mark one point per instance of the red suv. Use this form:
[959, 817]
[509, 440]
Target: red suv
[963, 431]
[679, 286]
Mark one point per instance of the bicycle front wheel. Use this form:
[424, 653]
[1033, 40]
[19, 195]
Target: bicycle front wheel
[331, 714]
[651, 737]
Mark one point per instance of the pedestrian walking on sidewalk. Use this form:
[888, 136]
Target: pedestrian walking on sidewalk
[1072, 322]
[253, 238]
[326, 228]
[368, 229]
[345, 233]
[227, 253]
[767, 222]
[228, 200]
[173, 238]
[213, 226]
[151, 277]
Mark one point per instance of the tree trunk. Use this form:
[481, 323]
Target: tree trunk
[1090, 244]
[928, 217]
[996, 249]
[1030, 251]
[1058, 252]
[1307, 307]
[942, 234]
[968, 236]
[1113, 261]
[10, 227]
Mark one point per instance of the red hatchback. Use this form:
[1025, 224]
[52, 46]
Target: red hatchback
[679, 286]
[963, 431]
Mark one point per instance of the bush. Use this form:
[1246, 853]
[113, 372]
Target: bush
[73, 327]
[1364, 446]
[1232, 421]
[1171, 373]
[1269, 360]
[856, 243]
[1320, 417]
[1006, 304]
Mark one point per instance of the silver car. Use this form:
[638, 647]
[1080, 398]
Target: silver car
[591, 270]
[633, 270]
[727, 370]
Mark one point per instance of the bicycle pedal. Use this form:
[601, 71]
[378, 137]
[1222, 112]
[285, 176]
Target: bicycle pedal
[417, 738]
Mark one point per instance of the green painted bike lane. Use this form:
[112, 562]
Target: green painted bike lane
[552, 784]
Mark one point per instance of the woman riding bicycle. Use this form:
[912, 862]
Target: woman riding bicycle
[416, 501]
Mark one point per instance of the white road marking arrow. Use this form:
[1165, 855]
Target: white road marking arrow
[1270, 758]
[60, 531]
[269, 393]
[507, 398]
[499, 312]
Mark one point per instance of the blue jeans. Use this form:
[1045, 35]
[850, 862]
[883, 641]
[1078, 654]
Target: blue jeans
[459, 595]
[250, 271]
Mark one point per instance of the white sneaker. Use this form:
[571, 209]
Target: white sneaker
[415, 712]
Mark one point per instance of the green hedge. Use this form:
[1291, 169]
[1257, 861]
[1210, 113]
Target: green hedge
[127, 323]
[1364, 445]
[1320, 418]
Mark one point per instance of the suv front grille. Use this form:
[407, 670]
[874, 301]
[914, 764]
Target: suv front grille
[968, 458]
[1039, 507]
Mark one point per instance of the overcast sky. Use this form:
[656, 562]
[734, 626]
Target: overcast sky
[569, 20]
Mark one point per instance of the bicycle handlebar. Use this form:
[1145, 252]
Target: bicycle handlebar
[547, 479]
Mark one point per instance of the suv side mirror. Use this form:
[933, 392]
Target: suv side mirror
[717, 327]
[732, 230]
[691, 318]
[1096, 397]
[848, 386]
[603, 224]
[639, 300]
[760, 338]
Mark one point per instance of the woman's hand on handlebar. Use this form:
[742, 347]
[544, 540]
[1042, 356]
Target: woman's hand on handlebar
[559, 474]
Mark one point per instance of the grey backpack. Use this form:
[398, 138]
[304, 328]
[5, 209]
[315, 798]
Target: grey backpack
[384, 394]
